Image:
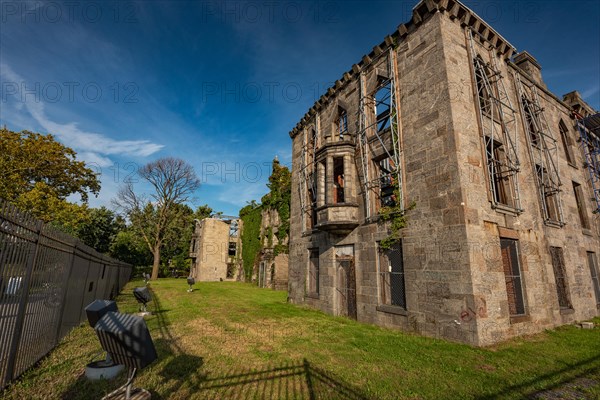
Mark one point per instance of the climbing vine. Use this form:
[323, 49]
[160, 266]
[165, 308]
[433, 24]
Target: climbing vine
[396, 215]
[251, 241]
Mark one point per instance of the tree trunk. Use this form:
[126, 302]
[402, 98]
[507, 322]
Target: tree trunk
[156, 263]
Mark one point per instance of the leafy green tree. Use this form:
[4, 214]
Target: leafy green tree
[38, 173]
[203, 212]
[129, 247]
[28, 158]
[100, 229]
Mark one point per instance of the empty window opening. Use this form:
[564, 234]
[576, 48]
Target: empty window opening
[103, 271]
[387, 182]
[91, 287]
[338, 180]
[512, 275]
[342, 123]
[382, 97]
[391, 272]
[583, 217]
[549, 195]
[558, 265]
[233, 228]
[232, 249]
[533, 129]
[500, 173]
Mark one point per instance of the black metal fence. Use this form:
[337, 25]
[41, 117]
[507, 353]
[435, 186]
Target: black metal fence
[46, 279]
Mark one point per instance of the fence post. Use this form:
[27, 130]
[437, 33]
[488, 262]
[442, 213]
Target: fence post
[64, 294]
[16, 339]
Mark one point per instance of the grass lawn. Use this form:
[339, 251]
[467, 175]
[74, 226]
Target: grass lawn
[232, 340]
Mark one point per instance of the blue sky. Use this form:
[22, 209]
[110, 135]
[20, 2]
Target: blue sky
[221, 84]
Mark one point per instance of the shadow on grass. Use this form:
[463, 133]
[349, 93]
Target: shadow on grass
[179, 375]
[182, 376]
[527, 389]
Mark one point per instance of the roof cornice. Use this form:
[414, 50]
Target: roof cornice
[454, 9]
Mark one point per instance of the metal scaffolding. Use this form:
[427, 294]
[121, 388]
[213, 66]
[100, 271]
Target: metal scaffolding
[308, 171]
[378, 114]
[543, 150]
[497, 118]
[589, 132]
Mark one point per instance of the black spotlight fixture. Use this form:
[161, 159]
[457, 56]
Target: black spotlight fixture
[127, 340]
[191, 281]
[107, 368]
[143, 296]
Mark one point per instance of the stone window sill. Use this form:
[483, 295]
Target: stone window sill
[567, 311]
[515, 319]
[587, 232]
[554, 224]
[504, 209]
[572, 165]
[313, 295]
[392, 309]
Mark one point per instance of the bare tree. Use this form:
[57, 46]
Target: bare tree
[173, 182]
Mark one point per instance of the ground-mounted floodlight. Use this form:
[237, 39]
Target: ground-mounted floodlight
[127, 339]
[143, 296]
[146, 278]
[191, 281]
[107, 368]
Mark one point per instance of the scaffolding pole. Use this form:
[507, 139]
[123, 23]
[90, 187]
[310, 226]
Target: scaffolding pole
[589, 133]
[378, 127]
[307, 188]
[543, 148]
[497, 119]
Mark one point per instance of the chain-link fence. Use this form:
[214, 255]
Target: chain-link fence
[46, 280]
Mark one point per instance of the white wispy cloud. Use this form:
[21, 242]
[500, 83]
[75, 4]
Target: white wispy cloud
[94, 146]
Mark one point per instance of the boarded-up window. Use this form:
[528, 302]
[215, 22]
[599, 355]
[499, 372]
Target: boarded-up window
[512, 274]
[593, 263]
[313, 272]
[558, 265]
[583, 217]
[391, 271]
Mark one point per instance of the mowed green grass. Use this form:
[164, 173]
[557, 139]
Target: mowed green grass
[232, 340]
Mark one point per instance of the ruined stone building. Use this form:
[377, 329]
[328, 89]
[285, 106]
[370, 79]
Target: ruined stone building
[215, 249]
[272, 268]
[498, 179]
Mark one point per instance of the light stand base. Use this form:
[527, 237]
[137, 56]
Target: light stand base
[97, 370]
